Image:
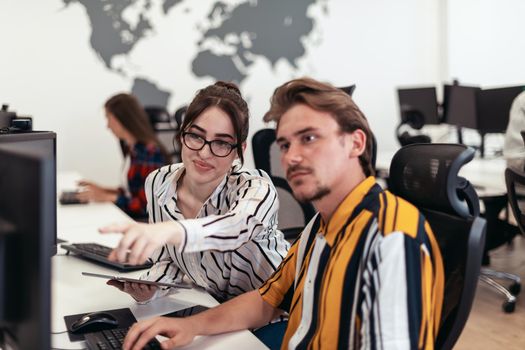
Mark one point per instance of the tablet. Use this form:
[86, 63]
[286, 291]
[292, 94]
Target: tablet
[126, 279]
[193, 310]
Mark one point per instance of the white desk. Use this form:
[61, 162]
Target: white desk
[73, 293]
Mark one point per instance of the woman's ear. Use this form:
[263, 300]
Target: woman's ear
[243, 147]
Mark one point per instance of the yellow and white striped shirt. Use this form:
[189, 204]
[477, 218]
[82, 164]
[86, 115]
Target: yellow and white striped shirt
[372, 277]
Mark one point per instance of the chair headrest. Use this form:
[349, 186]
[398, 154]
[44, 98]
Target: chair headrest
[427, 176]
[348, 89]
[179, 114]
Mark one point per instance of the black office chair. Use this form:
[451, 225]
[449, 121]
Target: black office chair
[293, 215]
[515, 183]
[166, 128]
[179, 115]
[348, 89]
[427, 176]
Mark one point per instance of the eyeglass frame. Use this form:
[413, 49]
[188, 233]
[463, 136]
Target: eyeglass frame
[209, 143]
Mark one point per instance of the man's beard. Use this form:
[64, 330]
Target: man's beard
[319, 192]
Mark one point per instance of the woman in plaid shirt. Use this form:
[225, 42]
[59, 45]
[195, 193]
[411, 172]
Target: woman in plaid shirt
[142, 151]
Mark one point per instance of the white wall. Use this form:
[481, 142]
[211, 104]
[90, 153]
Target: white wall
[48, 70]
[487, 42]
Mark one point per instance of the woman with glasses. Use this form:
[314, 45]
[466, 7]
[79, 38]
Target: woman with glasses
[210, 221]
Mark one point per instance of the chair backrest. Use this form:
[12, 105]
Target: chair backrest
[166, 128]
[348, 89]
[515, 181]
[179, 115]
[293, 215]
[427, 176]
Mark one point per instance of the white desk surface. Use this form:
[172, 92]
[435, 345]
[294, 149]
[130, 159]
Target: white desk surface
[73, 293]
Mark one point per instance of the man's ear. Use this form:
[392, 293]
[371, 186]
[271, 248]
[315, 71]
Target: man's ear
[358, 143]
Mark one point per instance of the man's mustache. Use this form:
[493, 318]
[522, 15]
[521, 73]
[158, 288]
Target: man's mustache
[296, 168]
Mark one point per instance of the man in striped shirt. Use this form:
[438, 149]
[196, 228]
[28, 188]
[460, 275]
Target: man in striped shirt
[366, 272]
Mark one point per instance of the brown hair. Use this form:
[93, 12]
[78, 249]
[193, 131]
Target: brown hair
[228, 98]
[130, 113]
[325, 98]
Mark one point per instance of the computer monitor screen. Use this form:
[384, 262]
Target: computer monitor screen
[494, 107]
[39, 142]
[421, 100]
[27, 227]
[461, 106]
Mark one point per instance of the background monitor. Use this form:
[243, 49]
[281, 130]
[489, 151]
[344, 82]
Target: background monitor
[461, 106]
[41, 143]
[493, 107]
[445, 102]
[421, 100]
[27, 227]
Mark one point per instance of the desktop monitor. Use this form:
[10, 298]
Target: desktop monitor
[42, 143]
[460, 106]
[494, 106]
[27, 227]
[422, 101]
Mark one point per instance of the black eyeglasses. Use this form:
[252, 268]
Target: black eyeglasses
[218, 148]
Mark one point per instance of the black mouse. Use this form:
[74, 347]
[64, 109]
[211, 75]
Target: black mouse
[94, 321]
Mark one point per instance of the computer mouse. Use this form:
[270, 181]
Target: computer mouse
[93, 322]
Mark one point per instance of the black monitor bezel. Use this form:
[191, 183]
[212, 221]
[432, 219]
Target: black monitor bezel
[36, 136]
[411, 101]
[26, 270]
[493, 106]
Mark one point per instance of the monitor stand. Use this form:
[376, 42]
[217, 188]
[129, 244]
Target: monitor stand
[481, 147]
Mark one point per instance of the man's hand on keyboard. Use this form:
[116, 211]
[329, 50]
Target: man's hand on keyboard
[138, 291]
[181, 331]
[139, 241]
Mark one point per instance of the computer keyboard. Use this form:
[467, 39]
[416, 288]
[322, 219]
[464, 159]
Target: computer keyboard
[113, 339]
[70, 197]
[99, 253]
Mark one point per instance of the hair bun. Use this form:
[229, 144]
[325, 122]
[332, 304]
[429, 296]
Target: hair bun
[228, 85]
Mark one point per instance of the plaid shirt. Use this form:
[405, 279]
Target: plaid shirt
[144, 159]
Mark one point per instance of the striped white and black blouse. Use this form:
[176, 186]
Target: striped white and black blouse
[233, 244]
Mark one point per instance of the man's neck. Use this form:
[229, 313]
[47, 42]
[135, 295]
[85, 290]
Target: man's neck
[328, 205]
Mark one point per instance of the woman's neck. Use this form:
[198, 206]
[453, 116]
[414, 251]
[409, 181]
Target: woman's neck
[130, 140]
[200, 192]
